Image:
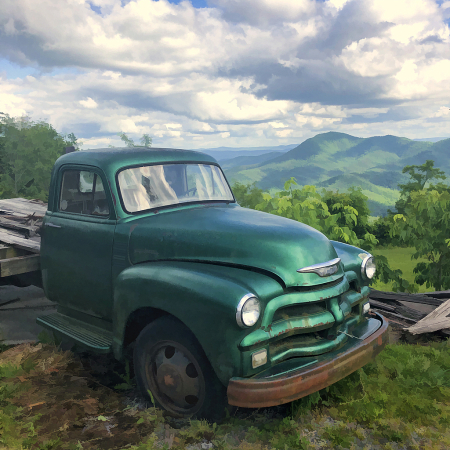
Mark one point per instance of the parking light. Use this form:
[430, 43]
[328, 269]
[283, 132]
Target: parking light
[259, 358]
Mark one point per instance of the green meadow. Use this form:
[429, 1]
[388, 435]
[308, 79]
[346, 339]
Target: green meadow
[400, 258]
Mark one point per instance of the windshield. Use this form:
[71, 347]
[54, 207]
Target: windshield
[149, 187]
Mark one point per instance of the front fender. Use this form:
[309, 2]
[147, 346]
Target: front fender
[203, 296]
[351, 258]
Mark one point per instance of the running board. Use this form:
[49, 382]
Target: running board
[89, 336]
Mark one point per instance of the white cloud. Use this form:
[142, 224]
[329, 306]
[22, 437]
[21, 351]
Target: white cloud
[12, 104]
[338, 4]
[443, 112]
[402, 11]
[171, 126]
[283, 133]
[253, 72]
[278, 124]
[89, 103]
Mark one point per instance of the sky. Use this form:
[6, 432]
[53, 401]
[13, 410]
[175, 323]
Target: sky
[235, 73]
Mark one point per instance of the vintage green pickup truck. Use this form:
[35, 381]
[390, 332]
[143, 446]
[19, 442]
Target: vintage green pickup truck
[146, 249]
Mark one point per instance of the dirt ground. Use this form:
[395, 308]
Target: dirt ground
[19, 308]
[82, 399]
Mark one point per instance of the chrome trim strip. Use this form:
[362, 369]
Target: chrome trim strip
[239, 309]
[314, 267]
[52, 225]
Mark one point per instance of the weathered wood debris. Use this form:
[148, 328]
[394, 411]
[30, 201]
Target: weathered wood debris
[406, 310]
[20, 220]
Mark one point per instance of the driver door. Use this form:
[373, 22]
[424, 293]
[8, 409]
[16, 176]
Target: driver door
[77, 242]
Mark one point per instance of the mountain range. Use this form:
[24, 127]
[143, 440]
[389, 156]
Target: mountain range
[225, 153]
[336, 161]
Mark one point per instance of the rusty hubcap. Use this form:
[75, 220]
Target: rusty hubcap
[175, 378]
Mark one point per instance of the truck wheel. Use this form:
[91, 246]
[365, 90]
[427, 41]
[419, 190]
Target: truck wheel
[169, 362]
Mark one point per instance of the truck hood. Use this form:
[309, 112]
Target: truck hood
[233, 235]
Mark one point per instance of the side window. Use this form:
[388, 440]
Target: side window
[82, 192]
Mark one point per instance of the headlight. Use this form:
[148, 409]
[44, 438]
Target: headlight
[248, 310]
[368, 267]
[366, 308]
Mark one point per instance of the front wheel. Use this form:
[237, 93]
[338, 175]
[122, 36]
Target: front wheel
[170, 363]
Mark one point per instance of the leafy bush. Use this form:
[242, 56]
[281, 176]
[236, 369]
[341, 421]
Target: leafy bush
[333, 216]
[248, 196]
[337, 201]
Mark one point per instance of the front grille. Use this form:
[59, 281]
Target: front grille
[295, 341]
[316, 287]
[303, 342]
[299, 310]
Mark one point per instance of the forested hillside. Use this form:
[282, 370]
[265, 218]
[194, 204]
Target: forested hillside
[337, 161]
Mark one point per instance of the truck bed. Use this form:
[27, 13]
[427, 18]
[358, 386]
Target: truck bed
[20, 220]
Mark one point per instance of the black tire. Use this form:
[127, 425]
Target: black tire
[170, 363]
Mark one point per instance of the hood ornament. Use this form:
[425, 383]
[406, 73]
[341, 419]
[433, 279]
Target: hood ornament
[322, 269]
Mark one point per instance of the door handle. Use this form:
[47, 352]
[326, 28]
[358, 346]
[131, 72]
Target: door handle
[49, 224]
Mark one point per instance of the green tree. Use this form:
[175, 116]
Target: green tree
[420, 176]
[28, 151]
[145, 140]
[425, 224]
[128, 141]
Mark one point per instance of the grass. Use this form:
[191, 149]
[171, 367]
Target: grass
[49, 400]
[400, 258]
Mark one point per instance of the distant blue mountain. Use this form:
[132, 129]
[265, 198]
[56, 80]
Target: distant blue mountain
[435, 139]
[227, 153]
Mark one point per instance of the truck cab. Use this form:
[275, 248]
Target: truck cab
[147, 249]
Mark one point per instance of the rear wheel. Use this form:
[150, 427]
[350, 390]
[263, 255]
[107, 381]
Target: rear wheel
[169, 362]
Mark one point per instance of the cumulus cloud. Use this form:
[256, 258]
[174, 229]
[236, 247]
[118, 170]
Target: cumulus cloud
[89, 103]
[251, 72]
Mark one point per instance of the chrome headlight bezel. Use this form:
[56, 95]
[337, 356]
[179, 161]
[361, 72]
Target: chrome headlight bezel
[368, 259]
[240, 310]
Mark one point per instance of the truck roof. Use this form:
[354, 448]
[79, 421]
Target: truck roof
[113, 158]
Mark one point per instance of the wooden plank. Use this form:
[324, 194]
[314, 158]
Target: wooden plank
[438, 294]
[26, 230]
[397, 296]
[389, 313]
[410, 312]
[381, 305]
[20, 242]
[23, 206]
[18, 265]
[11, 252]
[436, 320]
